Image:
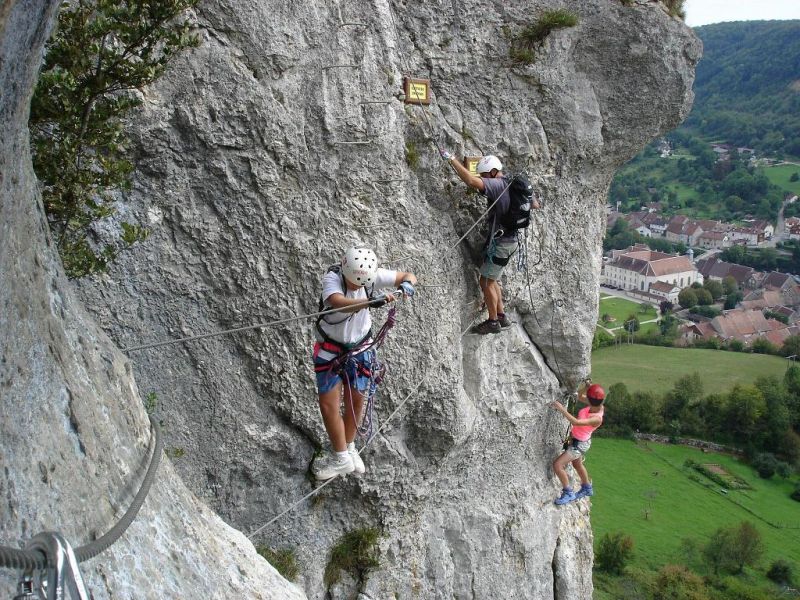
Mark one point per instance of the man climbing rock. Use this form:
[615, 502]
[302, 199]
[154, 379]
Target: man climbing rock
[502, 240]
[344, 351]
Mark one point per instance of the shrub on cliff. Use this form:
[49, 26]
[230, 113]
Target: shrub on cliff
[524, 44]
[101, 53]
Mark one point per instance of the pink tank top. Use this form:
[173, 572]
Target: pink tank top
[584, 432]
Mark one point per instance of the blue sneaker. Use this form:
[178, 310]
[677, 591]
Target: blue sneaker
[586, 490]
[567, 496]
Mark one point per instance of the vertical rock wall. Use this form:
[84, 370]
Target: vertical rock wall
[75, 438]
[251, 183]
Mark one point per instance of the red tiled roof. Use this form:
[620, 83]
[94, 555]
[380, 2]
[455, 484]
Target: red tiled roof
[662, 286]
[776, 280]
[740, 324]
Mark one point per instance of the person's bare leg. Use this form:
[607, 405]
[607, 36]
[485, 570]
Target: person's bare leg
[490, 294]
[499, 292]
[329, 407]
[353, 404]
[560, 468]
[577, 464]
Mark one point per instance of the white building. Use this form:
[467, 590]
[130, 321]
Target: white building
[638, 269]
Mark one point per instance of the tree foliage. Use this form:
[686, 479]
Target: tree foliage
[614, 552]
[101, 53]
[730, 549]
[687, 298]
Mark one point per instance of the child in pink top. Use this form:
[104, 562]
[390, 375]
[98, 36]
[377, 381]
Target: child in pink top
[589, 418]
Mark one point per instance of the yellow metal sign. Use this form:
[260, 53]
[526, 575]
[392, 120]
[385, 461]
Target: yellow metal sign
[471, 164]
[417, 91]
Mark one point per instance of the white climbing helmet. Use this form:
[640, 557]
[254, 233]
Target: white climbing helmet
[360, 266]
[487, 163]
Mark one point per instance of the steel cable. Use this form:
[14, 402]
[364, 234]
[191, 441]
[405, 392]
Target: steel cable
[15, 558]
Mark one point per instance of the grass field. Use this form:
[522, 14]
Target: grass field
[620, 309]
[655, 369]
[644, 490]
[780, 175]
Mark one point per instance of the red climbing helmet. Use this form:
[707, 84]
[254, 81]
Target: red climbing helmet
[596, 392]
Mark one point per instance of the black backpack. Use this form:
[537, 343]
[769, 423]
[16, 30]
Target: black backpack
[518, 215]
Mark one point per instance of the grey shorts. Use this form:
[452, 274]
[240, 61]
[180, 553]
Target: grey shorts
[491, 269]
[578, 449]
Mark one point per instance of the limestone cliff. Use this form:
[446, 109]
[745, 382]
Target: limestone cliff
[249, 179]
[75, 438]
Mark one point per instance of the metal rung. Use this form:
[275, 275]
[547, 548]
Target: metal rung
[352, 25]
[341, 67]
[389, 180]
[376, 102]
[359, 142]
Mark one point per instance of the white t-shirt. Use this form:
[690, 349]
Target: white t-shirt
[349, 328]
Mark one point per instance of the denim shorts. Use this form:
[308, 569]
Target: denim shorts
[358, 372]
[579, 448]
[493, 268]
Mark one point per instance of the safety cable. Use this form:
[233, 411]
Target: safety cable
[248, 327]
[366, 444]
[14, 558]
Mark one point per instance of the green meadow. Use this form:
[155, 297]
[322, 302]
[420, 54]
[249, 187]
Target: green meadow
[656, 369]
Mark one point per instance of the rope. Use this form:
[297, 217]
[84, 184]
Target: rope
[317, 489]
[14, 558]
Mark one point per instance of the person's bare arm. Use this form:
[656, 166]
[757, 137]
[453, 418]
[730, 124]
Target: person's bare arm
[464, 174]
[592, 421]
[353, 305]
[405, 276]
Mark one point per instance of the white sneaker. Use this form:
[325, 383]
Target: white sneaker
[358, 464]
[332, 464]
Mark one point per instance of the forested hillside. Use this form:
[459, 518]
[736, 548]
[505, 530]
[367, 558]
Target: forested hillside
[748, 85]
[747, 96]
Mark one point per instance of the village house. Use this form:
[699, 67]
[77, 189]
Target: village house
[739, 324]
[683, 230]
[714, 240]
[717, 270]
[638, 268]
[656, 223]
[748, 236]
[665, 291]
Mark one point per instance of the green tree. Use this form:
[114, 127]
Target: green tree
[764, 346]
[791, 346]
[729, 285]
[101, 52]
[795, 177]
[704, 297]
[714, 288]
[745, 405]
[687, 298]
[732, 300]
[687, 390]
[676, 582]
[731, 548]
[613, 552]
[631, 324]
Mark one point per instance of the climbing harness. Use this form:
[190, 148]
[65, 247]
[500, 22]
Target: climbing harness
[369, 441]
[49, 563]
[346, 362]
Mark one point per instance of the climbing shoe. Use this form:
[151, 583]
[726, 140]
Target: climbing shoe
[586, 490]
[565, 497]
[487, 326]
[333, 464]
[358, 464]
[504, 321]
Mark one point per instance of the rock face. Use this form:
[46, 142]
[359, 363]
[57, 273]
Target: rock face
[261, 156]
[75, 437]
